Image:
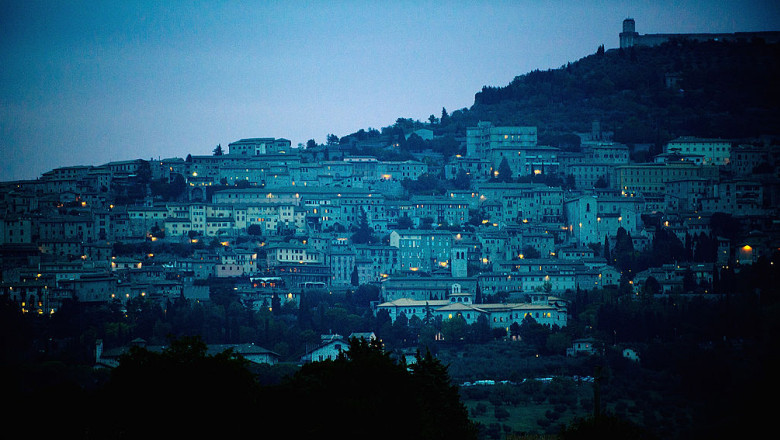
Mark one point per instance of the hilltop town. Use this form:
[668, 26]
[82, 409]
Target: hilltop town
[618, 215]
[462, 215]
[511, 228]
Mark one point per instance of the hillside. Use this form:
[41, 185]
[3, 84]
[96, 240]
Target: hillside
[643, 95]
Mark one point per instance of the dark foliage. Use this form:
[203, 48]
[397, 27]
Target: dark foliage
[367, 394]
[180, 391]
[184, 392]
[717, 89]
[605, 428]
[349, 397]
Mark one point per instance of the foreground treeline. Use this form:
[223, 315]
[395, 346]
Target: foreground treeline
[182, 392]
[707, 361]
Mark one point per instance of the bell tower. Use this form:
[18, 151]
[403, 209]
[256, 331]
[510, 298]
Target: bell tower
[459, 263]
[629, 33]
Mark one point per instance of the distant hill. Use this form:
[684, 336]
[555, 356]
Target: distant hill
[647, 94]
[643, 95]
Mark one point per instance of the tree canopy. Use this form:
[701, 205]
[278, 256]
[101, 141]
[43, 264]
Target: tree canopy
[647, 94]
[372, 388]
[184, 391]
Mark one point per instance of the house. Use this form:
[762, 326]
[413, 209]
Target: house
[575, 252]
[367, 336]
[255, 354]
[585, 346]
[459, 304]
[330, 349]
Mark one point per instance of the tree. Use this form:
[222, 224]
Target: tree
[332, 139]
[446, 145]
[652, 286]
[354, 279]
[454, 330]
[533, 333]
[170, 190]
[504, 172]
[364, 233]
[725, 225]
[157, 232]
[364, 294]
[558, 342]
[705, 248]
[415, 143]
[400, 334]
[531, 252]
[689, 281]
[164, 382]
[462, 180]
[479, 332]
[425, 184]
[311, 144]
[440, 401]
[624, 250]
[421, 395]
[500, 413]
[404, 222]
[667, 247]
[218, 150]
[478, 299]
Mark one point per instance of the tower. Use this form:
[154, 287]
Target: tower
[629, 34]
[459, 263]
[629, 25]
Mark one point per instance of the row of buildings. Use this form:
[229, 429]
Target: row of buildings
[284, 220]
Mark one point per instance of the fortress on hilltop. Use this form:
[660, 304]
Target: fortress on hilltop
[630, 37]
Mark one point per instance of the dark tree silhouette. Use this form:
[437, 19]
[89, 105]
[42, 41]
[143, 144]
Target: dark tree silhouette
[624, 250]
[354, 278]
[367, 386]
[504, 171]
[364, 233]
[163, 392]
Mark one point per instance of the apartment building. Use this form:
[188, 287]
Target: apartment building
[484, 137]
[639, 179]
[423, 250]
[259, 146]
[591, 218]
[712, 151]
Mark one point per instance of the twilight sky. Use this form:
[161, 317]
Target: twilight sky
[88, 82]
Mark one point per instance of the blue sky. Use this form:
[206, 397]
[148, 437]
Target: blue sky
[88, 82]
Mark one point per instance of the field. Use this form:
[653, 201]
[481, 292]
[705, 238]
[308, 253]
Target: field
[541, 407]
[533, 394]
